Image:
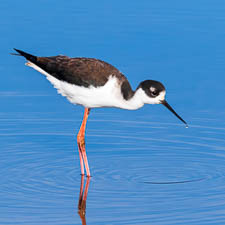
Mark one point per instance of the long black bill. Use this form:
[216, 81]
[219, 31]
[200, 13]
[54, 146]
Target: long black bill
[165, 103]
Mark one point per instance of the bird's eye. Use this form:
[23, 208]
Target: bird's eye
[154, 93]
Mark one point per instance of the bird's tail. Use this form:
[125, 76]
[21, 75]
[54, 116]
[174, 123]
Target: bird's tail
[29, 57]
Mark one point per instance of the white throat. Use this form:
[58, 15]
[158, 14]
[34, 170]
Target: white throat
[140, 98]
[135, 102]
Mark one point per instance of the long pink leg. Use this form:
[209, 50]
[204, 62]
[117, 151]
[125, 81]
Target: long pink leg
[81, 144]
[81, 161]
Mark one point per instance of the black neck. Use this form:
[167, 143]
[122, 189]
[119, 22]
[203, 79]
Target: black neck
[126, 90]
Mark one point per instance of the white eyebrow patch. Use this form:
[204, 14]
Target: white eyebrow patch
[152, 89]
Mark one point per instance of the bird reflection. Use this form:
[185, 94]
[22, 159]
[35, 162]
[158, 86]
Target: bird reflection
[83, 198]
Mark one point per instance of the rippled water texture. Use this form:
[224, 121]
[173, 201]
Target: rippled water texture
[142, 171]
[146, 167]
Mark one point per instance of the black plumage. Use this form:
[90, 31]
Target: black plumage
[80, 71]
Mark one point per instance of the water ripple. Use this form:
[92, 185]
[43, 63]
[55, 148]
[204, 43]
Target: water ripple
[129, 166]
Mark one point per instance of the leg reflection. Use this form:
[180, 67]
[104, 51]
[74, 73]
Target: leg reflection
[83, 198]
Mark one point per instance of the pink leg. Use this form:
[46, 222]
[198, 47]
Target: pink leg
[81, 162]
[81, 144]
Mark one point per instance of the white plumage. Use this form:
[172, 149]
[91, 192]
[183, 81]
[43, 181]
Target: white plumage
[108, 95]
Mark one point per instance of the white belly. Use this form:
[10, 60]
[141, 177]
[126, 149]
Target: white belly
[108, 95]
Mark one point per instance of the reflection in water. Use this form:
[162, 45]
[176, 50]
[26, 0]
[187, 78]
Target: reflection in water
[155, 163]
[83, 198]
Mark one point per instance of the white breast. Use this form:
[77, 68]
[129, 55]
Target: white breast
[108, 95]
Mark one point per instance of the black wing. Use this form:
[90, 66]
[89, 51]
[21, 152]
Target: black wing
[80, 71]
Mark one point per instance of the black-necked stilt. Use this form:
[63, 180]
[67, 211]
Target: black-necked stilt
[93, 83]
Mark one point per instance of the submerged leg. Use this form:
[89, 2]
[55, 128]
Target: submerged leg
[81, 144]
[83, 199]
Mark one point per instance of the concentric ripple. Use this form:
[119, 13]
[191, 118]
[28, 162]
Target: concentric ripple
[135, 165]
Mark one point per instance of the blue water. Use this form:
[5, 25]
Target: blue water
[146, 167]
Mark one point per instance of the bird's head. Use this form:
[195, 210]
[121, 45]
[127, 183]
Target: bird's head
[153, 92]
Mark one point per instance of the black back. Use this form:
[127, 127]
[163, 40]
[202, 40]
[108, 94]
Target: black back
[80, 71]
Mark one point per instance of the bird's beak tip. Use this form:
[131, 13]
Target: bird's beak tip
[165, 103]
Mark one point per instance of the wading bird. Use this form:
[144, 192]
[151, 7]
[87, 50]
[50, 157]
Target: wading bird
[94, 83]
